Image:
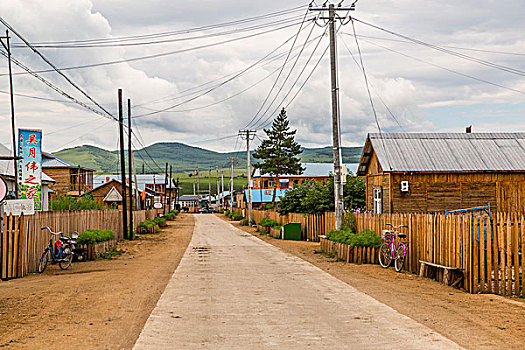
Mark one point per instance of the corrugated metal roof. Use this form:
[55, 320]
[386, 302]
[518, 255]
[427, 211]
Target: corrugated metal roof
[54, 161]
[315, 170]
[407, 152]
[265, 195]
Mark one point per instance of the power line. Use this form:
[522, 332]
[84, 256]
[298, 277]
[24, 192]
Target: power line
[215, 87]
[169, 53]
[7, 25]
[169, 33]
[450, 52]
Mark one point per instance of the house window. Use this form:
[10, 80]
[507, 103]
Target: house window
[377, 201]
[271, 183]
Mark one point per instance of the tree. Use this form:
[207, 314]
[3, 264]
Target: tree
[279, 152]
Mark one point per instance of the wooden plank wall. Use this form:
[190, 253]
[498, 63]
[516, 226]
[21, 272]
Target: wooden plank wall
[22, 241]
[11, 243]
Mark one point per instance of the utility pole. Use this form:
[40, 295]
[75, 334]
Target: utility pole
[177, 194]
[231, 187]
[131, 228]
[336, 119]
[122, 167]
[171, 189]
[198, 185]
[222, 188]
[78, 181]
[7, 47]
[165, 189]
[209, 187]
[194, 187]
[247, 134]
[218, 188]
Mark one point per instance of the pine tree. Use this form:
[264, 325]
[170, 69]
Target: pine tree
[279, 152]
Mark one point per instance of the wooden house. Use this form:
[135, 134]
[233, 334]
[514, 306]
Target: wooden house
[434, 172]
[71, 179]
[109, 194]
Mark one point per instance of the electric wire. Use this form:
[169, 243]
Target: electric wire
[214, 87]
[164, 54]
[282, 69]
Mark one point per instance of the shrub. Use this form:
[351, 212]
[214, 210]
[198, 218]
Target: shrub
[267, 222]
[95, 236]
[66, 202]
[170, 216]
[244, 222]
[147, 226]
[236, 217]
[365, 238]
[160, 221]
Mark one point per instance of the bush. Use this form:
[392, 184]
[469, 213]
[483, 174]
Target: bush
[236, 217]
[147, 226]
[170, 216]
[267, 222]
[95, 236]
[365, 238]
[244, 222]
[66, 202]
[160, 221]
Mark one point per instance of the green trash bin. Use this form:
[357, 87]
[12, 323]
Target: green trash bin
[291, 231]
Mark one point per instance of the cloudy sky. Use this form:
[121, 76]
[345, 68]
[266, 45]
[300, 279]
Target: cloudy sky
[216, 79]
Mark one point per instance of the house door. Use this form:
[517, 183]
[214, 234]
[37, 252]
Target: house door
[378, 206]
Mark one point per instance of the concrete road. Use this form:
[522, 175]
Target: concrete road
[234, 291]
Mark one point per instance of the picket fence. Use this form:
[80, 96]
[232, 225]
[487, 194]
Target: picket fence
[488, 250]
[22, 240]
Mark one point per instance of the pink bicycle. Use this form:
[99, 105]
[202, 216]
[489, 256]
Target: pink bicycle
[390, 251]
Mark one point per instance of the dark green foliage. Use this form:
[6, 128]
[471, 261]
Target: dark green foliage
[244, 222]
[95, 236]
[279, 153]
[267, 223]
[312, 197]
[147, 224]
[350, 221]
[160, 221]
[365, 238]
[66, 202]
[169, 216]
[267, 207]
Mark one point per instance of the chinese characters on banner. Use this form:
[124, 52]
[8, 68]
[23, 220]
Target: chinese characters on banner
[30, 166]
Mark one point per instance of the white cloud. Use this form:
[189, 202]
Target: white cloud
[415, 92]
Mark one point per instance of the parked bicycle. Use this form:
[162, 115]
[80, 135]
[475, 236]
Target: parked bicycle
[390, 251]
[61, 252]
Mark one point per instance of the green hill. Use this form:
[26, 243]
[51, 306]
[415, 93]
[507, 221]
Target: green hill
[182, 157]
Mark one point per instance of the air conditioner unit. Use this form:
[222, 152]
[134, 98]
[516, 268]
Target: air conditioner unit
[404, 186]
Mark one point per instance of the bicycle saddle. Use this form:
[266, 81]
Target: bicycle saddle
[402, 235]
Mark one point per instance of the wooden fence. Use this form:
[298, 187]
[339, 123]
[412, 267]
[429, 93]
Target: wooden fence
[22, 240]
[311, 225]
[490, 252]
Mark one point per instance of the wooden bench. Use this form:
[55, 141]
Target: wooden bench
[451, 275]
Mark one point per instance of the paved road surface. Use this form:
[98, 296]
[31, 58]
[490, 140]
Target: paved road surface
[234, 291]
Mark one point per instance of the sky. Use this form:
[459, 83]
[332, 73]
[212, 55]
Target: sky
[473, 75]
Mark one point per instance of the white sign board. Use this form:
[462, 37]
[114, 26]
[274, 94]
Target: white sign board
[157, 205]
[3, 189]
[19, 206]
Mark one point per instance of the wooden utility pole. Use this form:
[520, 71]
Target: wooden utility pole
[7, 47]
[231, 187]
[218, 188]
[165, 189]
[198, 185]
[247, 134]
[171, 189]
[122, 167]
[336, 119]
[209, 187]
[222, 188]
[130, 166]
[78, 181]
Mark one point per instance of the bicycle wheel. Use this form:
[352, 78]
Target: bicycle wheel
[385, 255]
[66, 258]
[43, 261]
[400, 258]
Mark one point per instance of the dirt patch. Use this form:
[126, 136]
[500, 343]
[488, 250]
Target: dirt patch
[480, 321]
[102, 304]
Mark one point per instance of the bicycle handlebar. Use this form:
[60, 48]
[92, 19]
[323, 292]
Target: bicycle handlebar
[396, 227]
[51, 231]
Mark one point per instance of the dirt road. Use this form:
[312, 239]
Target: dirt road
[481, 321]
[234, 291]
[94, 305]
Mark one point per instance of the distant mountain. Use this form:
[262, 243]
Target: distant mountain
[182, 157]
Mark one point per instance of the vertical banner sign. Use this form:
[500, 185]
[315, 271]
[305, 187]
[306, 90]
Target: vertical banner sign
[30, 166]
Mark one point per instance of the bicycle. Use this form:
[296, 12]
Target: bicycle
[61, 252]
[390, 251]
